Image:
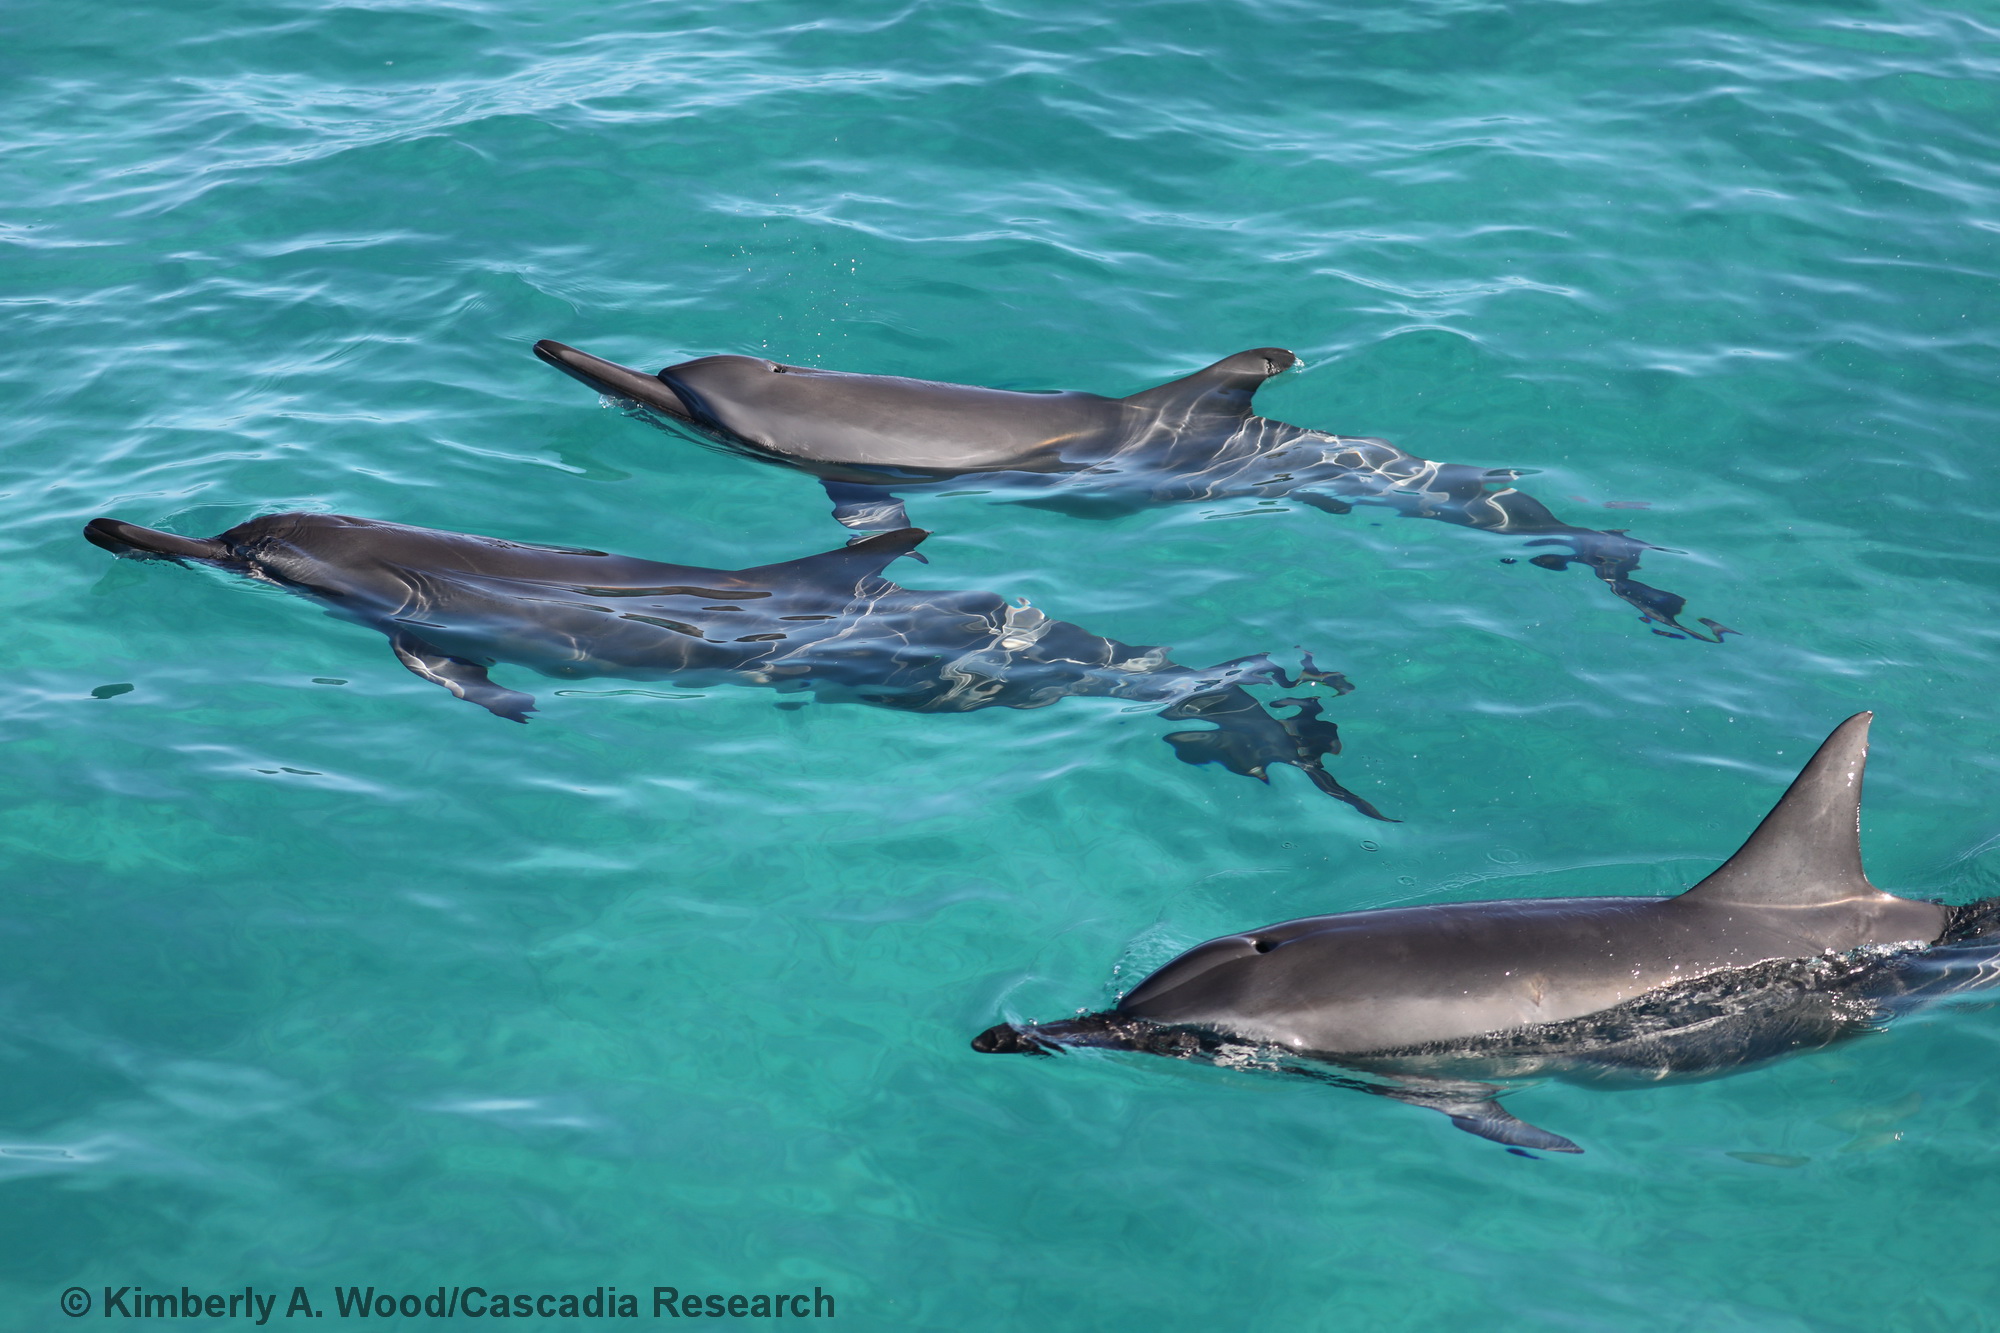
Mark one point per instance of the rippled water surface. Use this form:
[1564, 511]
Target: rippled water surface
[311, 974]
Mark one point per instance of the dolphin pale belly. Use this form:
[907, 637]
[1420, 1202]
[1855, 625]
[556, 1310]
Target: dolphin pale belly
[1786, 947]
[869, 437]
[454, 605]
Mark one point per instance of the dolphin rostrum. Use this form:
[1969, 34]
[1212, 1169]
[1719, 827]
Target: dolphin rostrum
[867, 437]
[1786, 947]
[454, 605]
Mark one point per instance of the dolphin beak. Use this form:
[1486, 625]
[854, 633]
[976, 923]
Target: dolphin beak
[612, 378]
[1006, 1039]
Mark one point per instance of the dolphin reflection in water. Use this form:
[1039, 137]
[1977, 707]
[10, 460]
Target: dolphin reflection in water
[870, 437]
[453, 605]
[1785, 948]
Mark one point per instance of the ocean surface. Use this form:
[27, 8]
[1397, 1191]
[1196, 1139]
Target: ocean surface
[312, 976]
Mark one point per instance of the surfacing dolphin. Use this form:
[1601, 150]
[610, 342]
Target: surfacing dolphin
[454, 605]
[1787, 947]
[867, 437]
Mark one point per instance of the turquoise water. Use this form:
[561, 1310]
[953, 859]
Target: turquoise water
[311, 975]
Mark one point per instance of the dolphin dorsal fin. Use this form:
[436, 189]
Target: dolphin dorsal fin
[1807, 852]
[843, 569]
[1223, 389]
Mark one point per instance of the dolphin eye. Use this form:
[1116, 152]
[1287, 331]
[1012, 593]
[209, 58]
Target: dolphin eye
[1263, 946]
[777, 369]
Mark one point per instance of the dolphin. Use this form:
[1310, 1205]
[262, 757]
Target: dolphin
[453, 605]
[867, 437]
[1786, 947]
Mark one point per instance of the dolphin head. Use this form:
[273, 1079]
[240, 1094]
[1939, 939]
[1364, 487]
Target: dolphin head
[726, 392]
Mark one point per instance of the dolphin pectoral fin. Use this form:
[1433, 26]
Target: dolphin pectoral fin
[867, 508]
[1489, 1120]
[1223, 389]
[1473, 1108]
[467, 680]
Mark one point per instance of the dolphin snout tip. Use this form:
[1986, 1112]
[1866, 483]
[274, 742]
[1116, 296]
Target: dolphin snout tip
[555, 353]
[1006, 1039]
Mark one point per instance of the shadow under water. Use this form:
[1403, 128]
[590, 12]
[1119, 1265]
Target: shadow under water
[453, 605]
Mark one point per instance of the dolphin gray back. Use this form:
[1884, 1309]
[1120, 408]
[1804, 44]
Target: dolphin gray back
[824, 419]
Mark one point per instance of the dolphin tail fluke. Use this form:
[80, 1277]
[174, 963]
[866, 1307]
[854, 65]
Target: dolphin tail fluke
[1248, 740]
[137, 543]
[467, 680]
[1807, 852]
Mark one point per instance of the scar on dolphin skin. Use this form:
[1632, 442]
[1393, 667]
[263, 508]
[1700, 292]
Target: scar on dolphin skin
[1785, 948]
[454, 605]
[869, 437]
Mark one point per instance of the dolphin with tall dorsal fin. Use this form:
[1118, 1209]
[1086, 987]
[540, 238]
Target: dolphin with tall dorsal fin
[1785, 947]
[454, 605]
[868, 437]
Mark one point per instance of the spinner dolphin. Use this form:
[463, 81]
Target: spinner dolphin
[868, 437]
[453, 605]
[1786, 947]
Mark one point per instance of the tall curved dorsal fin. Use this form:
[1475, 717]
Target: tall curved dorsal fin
[842, 569]
[1807, 852]
[1224, 388]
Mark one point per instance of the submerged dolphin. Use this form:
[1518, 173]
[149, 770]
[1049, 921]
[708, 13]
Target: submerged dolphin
[867, 437]
[454, 605]
[1786, 947]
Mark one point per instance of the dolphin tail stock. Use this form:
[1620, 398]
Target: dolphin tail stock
[133, 542]
[467, 680]
[1247, 740]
